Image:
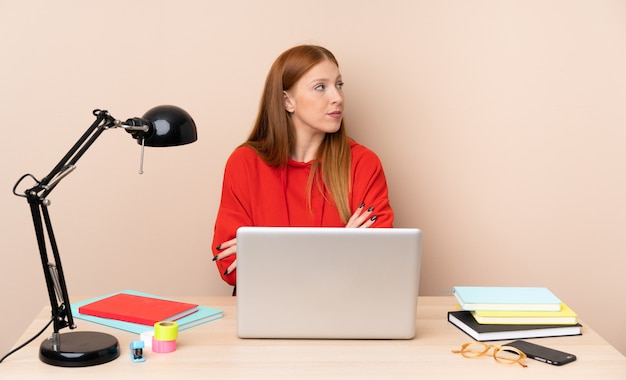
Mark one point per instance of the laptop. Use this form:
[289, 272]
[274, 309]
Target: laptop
[327, 283]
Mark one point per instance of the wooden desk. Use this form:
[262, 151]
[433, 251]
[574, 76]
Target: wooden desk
[213, 351]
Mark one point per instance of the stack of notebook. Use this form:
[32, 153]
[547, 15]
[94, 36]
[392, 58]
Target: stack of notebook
[498, 313]
[137, 312]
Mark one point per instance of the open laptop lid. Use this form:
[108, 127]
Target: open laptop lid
[327, 283]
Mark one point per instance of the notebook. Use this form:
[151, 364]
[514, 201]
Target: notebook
[136, 308]
[327, 283]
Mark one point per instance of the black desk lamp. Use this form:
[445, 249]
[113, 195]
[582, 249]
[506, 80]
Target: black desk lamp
[161, 126]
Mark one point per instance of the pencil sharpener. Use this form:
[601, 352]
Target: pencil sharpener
[136, 351]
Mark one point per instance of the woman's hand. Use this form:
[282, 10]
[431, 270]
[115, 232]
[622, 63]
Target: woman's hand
[362, 218]
[229, 248]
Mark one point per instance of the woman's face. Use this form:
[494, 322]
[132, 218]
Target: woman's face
[316, 101]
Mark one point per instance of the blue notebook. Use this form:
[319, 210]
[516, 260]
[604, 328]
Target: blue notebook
[203, 315]
[506, 298]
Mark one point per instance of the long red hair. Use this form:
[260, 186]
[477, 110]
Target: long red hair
[273, 135]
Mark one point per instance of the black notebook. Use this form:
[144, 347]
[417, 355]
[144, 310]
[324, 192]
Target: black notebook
[484, 332]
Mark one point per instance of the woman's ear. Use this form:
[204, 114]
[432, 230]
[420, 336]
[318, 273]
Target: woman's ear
[289, 106]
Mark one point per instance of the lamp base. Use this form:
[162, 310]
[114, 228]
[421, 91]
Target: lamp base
[79, 349]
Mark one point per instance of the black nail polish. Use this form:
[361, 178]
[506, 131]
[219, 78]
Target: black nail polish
[370, 209]
[218, 247]
[226, 271]
[362, 205]
[373, 218]
[214, 258]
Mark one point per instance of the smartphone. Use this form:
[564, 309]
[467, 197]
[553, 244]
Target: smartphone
[542, 353]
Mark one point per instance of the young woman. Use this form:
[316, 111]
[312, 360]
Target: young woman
[298, 167]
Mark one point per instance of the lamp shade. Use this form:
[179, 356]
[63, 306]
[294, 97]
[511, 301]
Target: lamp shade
[169, 126]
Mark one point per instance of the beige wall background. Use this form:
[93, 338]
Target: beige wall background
[501, 125]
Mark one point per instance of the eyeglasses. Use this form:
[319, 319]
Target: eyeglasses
[502, 354]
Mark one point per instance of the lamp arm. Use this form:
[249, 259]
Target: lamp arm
[36, 196]
[53, 271]
[103, 121]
